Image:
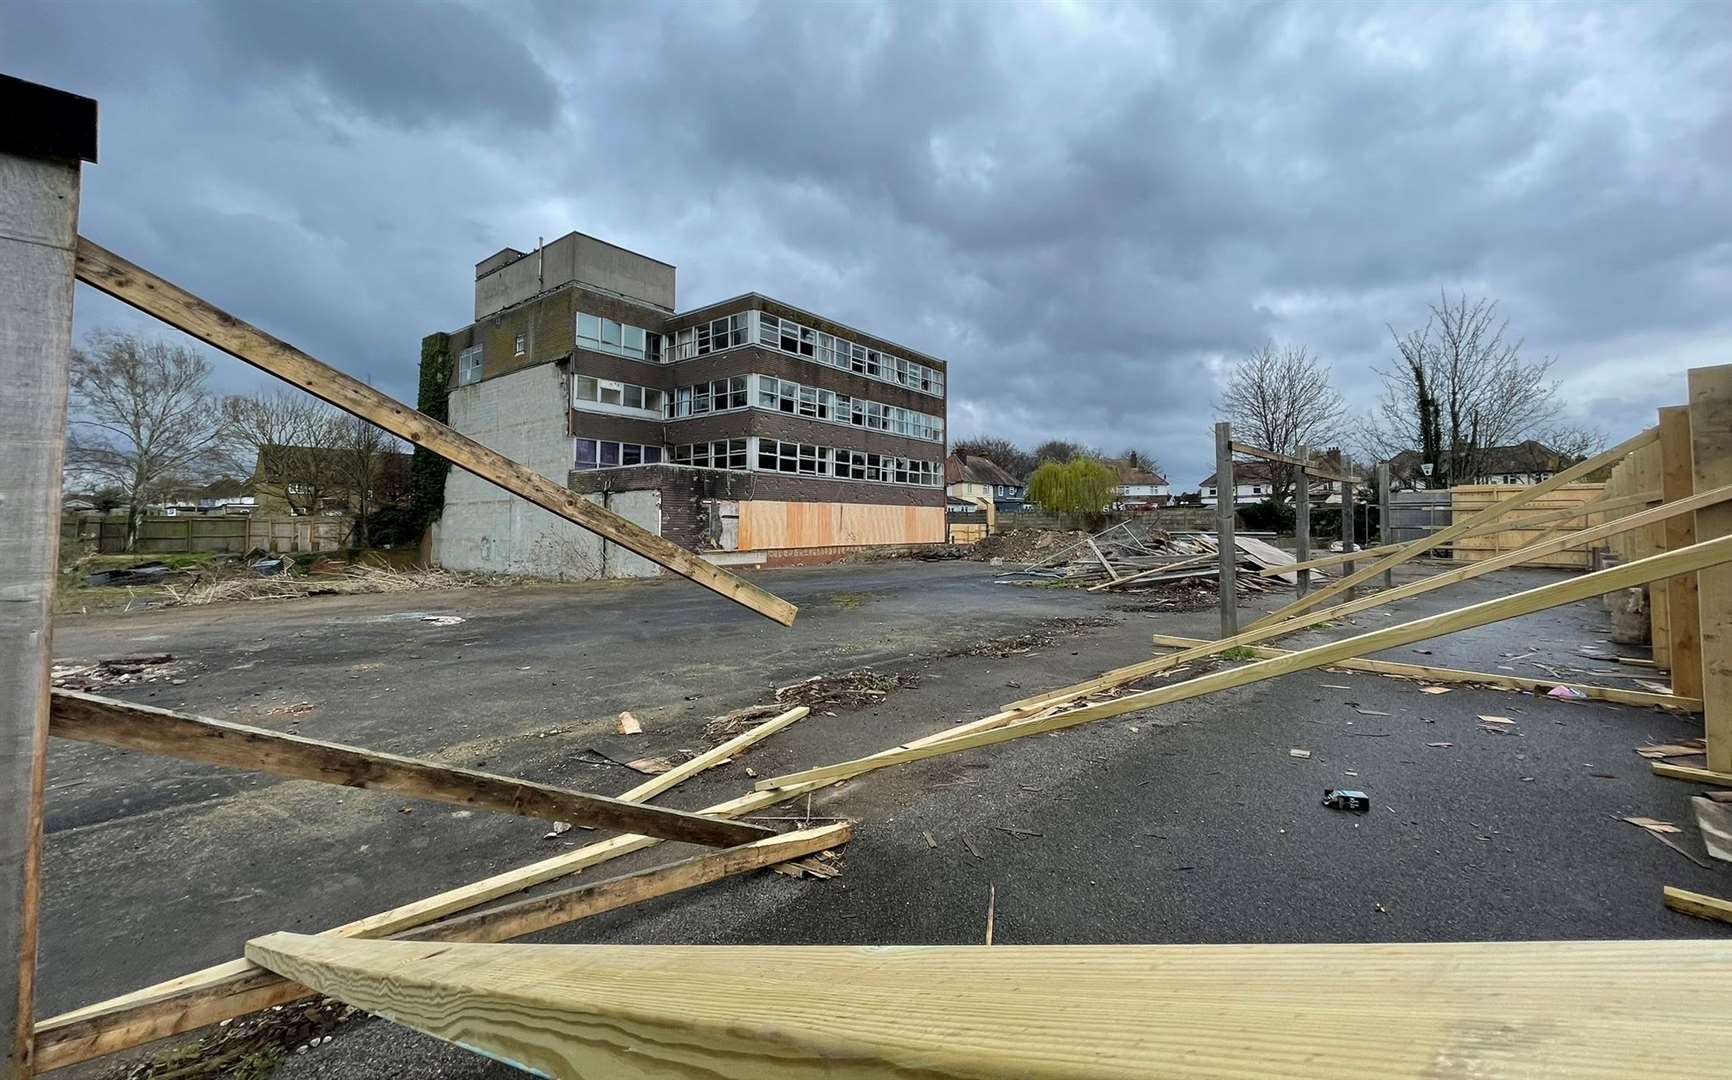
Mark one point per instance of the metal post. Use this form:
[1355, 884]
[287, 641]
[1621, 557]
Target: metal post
[40, 150]
[1347, 532]
[1302, 527]
[1385, 530]
[1224, 498]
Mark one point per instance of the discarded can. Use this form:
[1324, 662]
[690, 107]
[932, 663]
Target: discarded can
[1343, 799]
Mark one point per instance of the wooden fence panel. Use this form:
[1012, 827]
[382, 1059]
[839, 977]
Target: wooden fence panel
[1469, 499]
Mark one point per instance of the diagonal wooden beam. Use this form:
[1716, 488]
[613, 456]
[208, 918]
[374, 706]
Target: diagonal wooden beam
[89, 718]
[1429, 673]
[1444, 536]
[1145, 668]
[1523, 524]
[1685, 560]
[132, 284]
[231, 989]
[1492, 1010]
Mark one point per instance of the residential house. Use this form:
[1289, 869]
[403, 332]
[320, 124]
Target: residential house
[971, 477]
[1140, 489]
[748, 430]
[1525, 463]
[1253, 482]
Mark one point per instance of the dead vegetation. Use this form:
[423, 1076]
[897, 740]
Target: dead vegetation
[1047, 633]
[350, 580]
[249, 1048]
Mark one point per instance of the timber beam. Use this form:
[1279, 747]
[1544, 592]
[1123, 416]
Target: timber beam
[88, 718]
[1310, 467]
[1207, 1012]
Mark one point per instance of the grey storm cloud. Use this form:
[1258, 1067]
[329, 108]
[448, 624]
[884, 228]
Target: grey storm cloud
[1089, 210]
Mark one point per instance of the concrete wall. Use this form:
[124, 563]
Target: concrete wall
[522, 415]
[573, 257]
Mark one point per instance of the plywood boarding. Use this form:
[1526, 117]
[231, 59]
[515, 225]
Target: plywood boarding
[1642, 471]
[1469, 499]
[770, 525]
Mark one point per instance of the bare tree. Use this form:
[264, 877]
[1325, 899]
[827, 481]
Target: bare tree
[373, 468]
[288, 441]
[1007, 455]
[1459, 387]
[141, 418]
[1061, 451]
[1280, 398]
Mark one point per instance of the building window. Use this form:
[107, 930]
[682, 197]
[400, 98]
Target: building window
[620, 339]
[721, 454]
[521, 345]
[469, 365]
[585, 388]
[605, 453]
[791, 337]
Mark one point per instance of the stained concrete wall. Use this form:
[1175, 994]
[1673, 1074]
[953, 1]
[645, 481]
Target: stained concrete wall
[522, 415]
[573, 257]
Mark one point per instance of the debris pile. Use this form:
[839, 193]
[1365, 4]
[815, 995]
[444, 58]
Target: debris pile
[848, 690]
[1132, 557]
[121, 671]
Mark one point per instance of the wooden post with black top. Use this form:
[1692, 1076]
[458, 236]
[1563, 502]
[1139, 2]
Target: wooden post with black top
[1347, 532]
[47, 134]
[1385, 532]
[1224, 499]
[1302, 527]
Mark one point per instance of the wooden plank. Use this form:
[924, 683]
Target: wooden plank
[539, 913]
[1521, 524]
[1490, 1010]
[1311, 467]
[250, 987]
[89, 718]
[1711, 465]
[1268, 555]
[1301, 534]
[1383, 515]
[1677, 481]
[38, 223]
[1443, 536]
[1698, 904]
[1706, 553]
[1130, 579]
[1226, 499]
[1482, 678]
[1349, 537]
[1144, 668]
[1526, 526]
[1107, 566]
[231, 989]
[1691, 773]
[175, 306]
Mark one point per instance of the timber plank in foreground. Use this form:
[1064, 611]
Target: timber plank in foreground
[89, 718]
[1482, 1009]
[241, 986]
[132, 284]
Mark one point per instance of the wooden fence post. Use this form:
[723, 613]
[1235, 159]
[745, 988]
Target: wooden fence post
[1677, 482]
[1302, 528]
[1347, 534]
[1711, 465]
[1385, 534]
[40, 150]
[1225, 498]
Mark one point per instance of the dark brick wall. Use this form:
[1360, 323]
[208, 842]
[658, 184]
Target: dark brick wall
[790, 488]
[550, 323]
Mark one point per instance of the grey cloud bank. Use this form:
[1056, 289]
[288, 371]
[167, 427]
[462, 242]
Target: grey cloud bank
[1088, 209]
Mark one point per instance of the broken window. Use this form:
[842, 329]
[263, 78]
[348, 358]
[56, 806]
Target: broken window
[469, 365]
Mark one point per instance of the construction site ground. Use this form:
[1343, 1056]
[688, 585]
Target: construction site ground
[1193, 823]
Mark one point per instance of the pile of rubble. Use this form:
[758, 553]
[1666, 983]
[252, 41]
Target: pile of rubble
[1131, 557]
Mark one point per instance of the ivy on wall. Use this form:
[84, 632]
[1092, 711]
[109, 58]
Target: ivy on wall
[427, 470]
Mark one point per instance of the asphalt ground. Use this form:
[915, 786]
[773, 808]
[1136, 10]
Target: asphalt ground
[1189, 823]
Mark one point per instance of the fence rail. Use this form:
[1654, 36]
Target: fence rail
[180, 534]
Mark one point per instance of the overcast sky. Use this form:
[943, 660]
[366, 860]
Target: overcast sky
[1089, 210]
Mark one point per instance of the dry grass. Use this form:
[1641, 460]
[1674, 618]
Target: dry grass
[355, 579]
